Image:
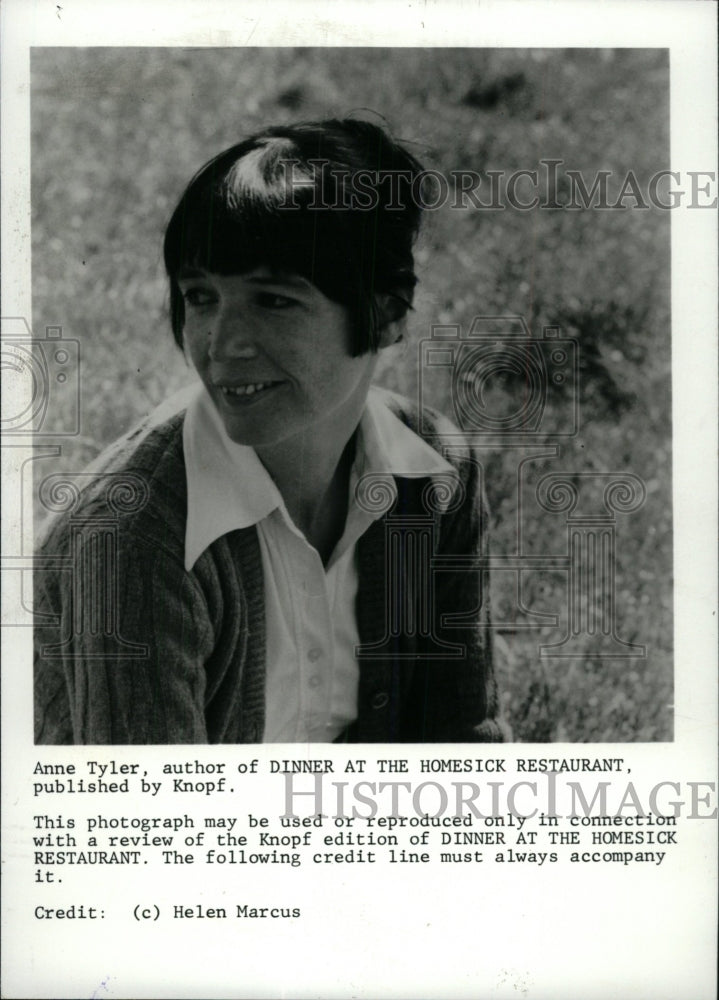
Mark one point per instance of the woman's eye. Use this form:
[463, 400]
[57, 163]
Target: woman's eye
[271, 300]
[198, 297]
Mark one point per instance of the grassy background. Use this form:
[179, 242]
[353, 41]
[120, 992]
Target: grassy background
[116, 134]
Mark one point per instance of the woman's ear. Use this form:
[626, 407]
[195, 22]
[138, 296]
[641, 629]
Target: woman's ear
[391, 314]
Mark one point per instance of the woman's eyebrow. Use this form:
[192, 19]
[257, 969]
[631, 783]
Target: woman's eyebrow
[188, 273]
[291, 280]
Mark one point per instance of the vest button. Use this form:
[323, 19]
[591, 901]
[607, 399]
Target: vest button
[380, 700]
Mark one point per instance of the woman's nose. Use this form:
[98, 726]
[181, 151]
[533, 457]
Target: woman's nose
[230, 338]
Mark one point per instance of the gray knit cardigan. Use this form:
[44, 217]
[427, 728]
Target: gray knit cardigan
[133, 649]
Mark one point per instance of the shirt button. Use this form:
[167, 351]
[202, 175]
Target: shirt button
[380, 700]
[314, 654]
[315, 681]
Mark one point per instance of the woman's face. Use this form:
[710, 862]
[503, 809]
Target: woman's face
[274, 354]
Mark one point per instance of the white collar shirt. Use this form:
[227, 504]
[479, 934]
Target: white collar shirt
[312, 674]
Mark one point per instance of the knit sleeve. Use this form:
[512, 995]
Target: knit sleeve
[121, 644]
[455, 693]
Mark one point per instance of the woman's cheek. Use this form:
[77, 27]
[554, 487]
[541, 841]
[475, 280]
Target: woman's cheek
[195, 346]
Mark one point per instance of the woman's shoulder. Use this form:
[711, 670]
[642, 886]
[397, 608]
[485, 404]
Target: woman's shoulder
[436, 429]
[138, 482]
[154, 439]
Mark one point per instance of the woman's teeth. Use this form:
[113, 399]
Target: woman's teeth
[244, 390]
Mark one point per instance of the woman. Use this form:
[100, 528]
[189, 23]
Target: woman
[284, 554]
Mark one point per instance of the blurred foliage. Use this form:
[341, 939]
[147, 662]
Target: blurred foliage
[117, 133]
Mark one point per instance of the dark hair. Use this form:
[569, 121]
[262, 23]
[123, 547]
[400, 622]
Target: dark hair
[331, 200]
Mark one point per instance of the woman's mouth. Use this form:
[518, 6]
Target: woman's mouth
[247, 392]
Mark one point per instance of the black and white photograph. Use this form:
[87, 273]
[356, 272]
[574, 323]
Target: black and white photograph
[426, 494]
[359, 499]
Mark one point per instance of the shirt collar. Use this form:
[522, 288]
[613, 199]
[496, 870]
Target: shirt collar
[229, 488]
[387, 445]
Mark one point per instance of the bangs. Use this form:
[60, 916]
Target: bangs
[259, 211]
[226, 238]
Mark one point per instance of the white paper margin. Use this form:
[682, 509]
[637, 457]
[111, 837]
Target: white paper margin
[531, 933]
